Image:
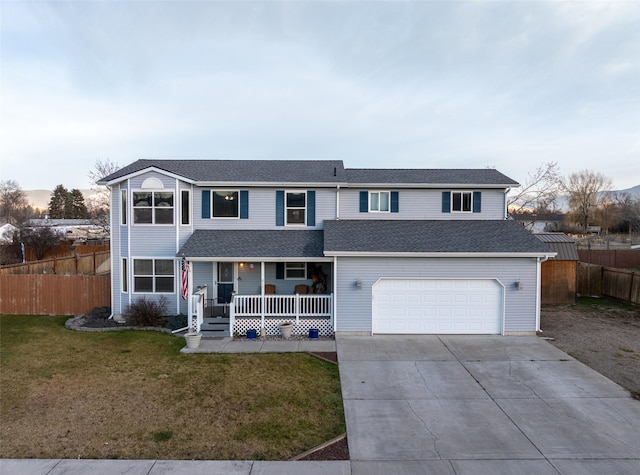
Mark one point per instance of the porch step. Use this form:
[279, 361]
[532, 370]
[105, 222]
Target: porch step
[215, 327]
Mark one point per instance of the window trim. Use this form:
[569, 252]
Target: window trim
[124, 284]
[123, 204]
[286, 209]
[462, 192]
[213, 194]
[153, 208]
[388, 192]
[189, 217]
[298, 268]
[153, 275]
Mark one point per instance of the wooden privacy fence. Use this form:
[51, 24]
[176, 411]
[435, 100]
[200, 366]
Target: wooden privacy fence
[618, 283]
[622, 258]
[87, 264]
[39, 294]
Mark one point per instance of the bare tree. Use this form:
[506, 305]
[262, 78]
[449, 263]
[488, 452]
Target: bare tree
[41, 239]
[538, 192]
[12, 200]
[99, 204]
[587, 191]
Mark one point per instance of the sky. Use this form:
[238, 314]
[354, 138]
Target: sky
[507, 85]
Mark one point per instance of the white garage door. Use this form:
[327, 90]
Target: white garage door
[431, 306]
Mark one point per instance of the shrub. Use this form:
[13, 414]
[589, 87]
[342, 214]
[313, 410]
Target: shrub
[147, 313]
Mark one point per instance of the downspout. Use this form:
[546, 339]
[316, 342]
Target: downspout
[335, 294]
[539, 289]
[338, 202]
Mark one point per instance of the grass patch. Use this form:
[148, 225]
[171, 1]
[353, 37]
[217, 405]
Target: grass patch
[66, 394]
[604, 302]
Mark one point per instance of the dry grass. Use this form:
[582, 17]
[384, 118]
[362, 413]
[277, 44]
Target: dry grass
[133, 395]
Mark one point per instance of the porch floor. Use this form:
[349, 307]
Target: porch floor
[229, 345]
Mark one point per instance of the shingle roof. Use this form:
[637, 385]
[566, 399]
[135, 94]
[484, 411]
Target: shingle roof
[310, 171]
[390, 236]
[482, 176]
[236, 171]
[260, 243]
[562, 244]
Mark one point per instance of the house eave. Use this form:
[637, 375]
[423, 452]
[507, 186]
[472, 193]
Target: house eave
[255, 259]
[432, 185]
[142, 172]
[437, 254]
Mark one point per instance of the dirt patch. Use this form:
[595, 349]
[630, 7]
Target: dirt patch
[338, 450]
[605, 335]
[330, 356]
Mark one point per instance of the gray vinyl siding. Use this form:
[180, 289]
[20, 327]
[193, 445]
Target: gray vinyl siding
[203, 275]
[262, 209]
[354, 306]
[116, 252]
[421, 204]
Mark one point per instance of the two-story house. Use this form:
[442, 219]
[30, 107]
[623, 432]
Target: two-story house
[357, 251]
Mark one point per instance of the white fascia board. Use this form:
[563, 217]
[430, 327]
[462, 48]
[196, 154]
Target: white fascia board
[258, 259]
[147, 170]
[392, 186]
[437, 254]
[264, 184]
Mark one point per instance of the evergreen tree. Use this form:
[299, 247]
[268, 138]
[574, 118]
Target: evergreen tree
[77, 205]
[58, 203]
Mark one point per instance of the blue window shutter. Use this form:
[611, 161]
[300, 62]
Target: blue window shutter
[244, 204]
[206, 204]
[280, 209]
[279, 270]
[477, 198]
[395, 201]
[364, 201]
[446, 202]
[311, 208]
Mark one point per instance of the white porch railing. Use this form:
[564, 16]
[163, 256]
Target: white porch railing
[198, 300]
[281, 306]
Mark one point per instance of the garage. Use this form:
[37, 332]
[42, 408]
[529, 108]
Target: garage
[437, 306]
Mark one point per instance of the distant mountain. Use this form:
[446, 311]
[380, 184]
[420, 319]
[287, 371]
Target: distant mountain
[562, 202]
[634, 191]
[40, 198]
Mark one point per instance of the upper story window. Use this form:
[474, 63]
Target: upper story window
[296, 205]
[123, 207]
[225, 204]
[379, 202]
[461, 201]
[153, 275]
[185, 207]
[153, 207]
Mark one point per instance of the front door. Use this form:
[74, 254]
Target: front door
[225, 281]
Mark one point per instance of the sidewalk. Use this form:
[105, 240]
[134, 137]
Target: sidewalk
[229, 345]
[160, 467]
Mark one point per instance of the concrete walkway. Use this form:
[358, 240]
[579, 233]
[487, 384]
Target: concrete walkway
[442, 405]
[476, 405]
[229, 345]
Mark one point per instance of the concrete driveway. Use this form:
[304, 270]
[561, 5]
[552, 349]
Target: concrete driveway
[467, 404]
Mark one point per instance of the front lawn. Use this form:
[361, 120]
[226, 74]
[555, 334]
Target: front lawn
[131, 394]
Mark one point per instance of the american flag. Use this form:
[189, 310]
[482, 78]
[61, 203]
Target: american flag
[185, 279]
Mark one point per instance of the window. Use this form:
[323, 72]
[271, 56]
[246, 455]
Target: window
[153, 275]
[123, 206]
[379, 201]
[225, 204]
[295, 270]
[153, 207]
[125, 281]
[295, 207]
[461, 201]
[185, 207]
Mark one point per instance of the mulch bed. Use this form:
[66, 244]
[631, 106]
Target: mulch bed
[337, 451]
[331, 356]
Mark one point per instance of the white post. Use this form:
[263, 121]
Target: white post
[232, 314]
[335, 293]
[297, 309]
[261, 294]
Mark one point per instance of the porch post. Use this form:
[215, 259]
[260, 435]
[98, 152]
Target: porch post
[335, 293]
[262, 294]
[190, 285]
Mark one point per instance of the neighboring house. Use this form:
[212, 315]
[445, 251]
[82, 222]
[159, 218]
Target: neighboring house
[558, 284]
[72, 229]
[377, 251]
